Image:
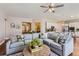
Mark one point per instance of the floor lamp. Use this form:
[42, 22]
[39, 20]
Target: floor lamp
[5, 26]
[5, 29]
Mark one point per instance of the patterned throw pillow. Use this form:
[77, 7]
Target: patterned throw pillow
[61, 40]
[13, 39]
[63, 37]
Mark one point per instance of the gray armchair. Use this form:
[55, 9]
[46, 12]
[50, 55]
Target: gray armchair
[15, 44]
[14, 47]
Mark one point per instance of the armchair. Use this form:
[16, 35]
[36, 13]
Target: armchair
[14, 45]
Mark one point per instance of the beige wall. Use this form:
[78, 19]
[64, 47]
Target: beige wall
[2, 25]
[2, 28]
[18, 21]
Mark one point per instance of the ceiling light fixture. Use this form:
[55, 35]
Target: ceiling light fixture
[51, 7]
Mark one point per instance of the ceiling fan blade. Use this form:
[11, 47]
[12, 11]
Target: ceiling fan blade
[44, 6]
[58, 6]
[46, 10]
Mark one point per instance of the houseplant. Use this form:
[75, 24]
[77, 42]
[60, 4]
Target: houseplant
[35, 45]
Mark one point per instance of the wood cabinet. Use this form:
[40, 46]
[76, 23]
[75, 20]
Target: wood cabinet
[2, 47]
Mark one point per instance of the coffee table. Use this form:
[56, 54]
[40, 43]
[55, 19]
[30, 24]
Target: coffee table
[44, 52]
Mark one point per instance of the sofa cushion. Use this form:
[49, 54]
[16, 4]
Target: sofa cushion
[44, 36]
[28, 36]
[13, 39]
[55, 45]
[27, 41]
[16, 44]
[35, 35]
[52, 43]
[53, 36]
[45, 41]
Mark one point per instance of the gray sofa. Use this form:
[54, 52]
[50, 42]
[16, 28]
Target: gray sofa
[60, 43]
[13, 46]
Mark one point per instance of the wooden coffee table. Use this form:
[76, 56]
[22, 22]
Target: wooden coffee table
[44, 52]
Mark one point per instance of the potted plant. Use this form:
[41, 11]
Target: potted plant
[35, 45]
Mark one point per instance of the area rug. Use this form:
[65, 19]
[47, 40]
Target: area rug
[21, 54]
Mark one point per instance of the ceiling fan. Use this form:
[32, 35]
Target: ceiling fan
[51, 7]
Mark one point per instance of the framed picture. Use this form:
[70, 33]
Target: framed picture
[37, 27]
[26, 27]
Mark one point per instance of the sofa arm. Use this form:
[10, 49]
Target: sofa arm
[67, 40]
[68, 47]
[8, 46]
[46, 42]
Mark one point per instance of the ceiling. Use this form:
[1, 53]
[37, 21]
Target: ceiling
[34, 11]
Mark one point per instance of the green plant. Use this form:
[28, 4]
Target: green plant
[35, 42]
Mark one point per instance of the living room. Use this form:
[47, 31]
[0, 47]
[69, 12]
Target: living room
[20, 23]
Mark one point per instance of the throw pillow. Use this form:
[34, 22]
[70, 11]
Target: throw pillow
[62, 39]
[53, 37]
[27, 41]
[19, 40]
[13, 39]
[44, 36]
